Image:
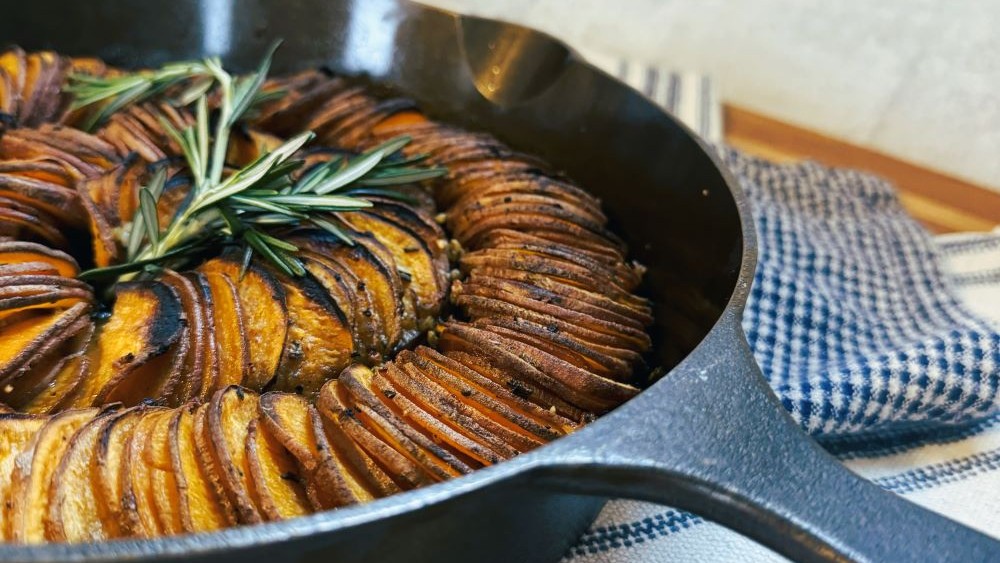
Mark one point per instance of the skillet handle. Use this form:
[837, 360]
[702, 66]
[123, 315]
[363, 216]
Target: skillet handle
[712, 438]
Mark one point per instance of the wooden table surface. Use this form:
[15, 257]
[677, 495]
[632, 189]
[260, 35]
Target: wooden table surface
[943, 203]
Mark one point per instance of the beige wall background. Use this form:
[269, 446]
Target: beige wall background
[918, 79]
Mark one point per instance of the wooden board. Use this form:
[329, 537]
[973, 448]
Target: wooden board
[943, 203]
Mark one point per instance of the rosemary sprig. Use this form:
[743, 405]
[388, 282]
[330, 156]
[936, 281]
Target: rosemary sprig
[245, 206]
[112, 93]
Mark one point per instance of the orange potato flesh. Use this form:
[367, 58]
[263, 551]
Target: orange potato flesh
[265, 317]
[16, 434]
[319, 343]
[18, 252]
[229, 416]
[276, 477]
[21, 339]
[141, 514]
[33, 472]
[73, 504]
[144, 322]
[163, 480]
[112, 451]
[229, 332]
[200, 507]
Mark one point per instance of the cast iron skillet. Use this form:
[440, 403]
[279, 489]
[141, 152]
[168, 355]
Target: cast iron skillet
[708, 437]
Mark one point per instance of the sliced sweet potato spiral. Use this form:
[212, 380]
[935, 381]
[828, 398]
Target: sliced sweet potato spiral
[545, 332]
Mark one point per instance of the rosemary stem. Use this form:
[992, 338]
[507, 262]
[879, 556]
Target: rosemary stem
[221, 143]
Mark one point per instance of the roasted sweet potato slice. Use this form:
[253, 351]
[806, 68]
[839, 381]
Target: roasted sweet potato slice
[367, 259]
[276, 477]
[106, 246]
[41, 99]
[343, 103]
[229, 334]
[38, 374]
[166, 490]
[531, 425]
[21, 144]
[291, 421]
[478, 205]
[394, 301]
[388, 422]
[414, 214]
[365, 478]
[606, 253]
[11, 82]
[150, 381]
[141, 514]
[577, 271]
[39, 293]
[353, 298]
[319, 343]
[570, 297]
[631, 306]
[145, 322]
[21, 340]
[73, 512]
[247, 145]
[229, 416]
[590, 326]
[27, 269]
[88, 148]
[115, 503]
[470, 176]
[334, 407]
[471, 230]
[210, 349]
[90, 66]
[529, 185]
[621, 274]
[45, 170]
[584, 356]
[336, 471]
[426, 269]
[265, 316]
[461, 417]
[128, 135]
[201, 508]
[288, 117]
[57, 201]
[581, 380]
[65, 379]
[575, 385]
[24, 221]
[477, 306]
[33, 473]
[506, 370]
[475, 452]
[17, 432]
[192, 376]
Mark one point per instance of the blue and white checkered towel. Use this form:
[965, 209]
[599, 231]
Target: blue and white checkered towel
[881, 340]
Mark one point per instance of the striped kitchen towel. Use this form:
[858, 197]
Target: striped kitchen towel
[879, 339]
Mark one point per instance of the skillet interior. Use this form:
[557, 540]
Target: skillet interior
[665, 195]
